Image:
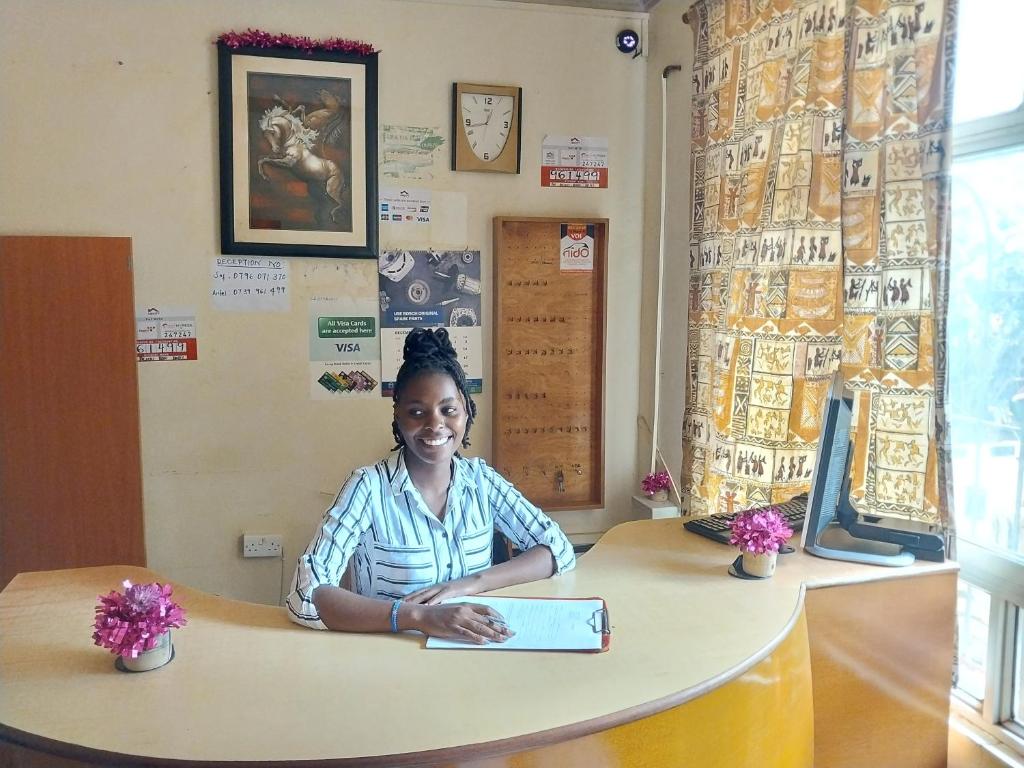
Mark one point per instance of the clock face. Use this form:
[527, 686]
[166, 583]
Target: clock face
[487, 122]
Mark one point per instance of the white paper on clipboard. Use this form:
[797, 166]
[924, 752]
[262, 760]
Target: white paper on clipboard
[541, 624]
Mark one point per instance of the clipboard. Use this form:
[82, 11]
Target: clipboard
[575, 624]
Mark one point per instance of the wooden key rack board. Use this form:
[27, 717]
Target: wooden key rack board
[550, 278]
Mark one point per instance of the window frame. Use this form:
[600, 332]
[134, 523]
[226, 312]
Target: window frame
[989, 134]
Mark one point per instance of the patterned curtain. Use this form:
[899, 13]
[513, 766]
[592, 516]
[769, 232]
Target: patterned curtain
[818, 240]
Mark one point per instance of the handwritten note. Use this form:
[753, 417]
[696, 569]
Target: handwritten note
[243, 284]
[539, 624]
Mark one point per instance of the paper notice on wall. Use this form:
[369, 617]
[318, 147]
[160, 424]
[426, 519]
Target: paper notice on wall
[344, 348]
[577, 248]
[468, 344]
[430, 289]
[404, 205]
[448, 218]
[574, 161]
[241, 284]
[165, 333]
[409, 152]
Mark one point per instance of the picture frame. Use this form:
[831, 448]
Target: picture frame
[298, 152]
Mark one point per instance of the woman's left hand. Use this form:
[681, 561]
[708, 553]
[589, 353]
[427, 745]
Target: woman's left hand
[438, 593]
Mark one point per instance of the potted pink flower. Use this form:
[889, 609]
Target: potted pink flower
[136, 626]
[759, 533]
[655, 485]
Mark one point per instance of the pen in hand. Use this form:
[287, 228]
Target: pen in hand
[500, 626]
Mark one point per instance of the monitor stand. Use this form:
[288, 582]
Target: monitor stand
[909, 533]
[897, 537]
[834, 543]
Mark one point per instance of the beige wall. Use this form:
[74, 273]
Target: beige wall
[670, 42]
[110, 127]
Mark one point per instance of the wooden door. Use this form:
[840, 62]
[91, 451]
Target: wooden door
[70, 474]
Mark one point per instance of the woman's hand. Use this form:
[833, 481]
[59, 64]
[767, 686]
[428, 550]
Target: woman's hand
[468, 622]
[437, 593]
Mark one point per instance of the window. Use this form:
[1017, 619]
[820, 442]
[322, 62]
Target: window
[986, 346]
[973, 606]
[985, 335]
[988, 30]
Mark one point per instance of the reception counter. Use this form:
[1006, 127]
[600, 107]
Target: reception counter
[825, 664]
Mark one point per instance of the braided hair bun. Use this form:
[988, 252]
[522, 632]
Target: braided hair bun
[428, 342]
[429, 350]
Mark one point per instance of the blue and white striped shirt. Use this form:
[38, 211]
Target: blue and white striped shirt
[399, 546]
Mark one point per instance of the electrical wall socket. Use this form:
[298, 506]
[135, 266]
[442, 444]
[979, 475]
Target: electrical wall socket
[261, 545]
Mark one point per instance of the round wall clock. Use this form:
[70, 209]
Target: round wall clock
[486, 127]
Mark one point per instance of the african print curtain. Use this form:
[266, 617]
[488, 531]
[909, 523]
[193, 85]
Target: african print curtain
[818, 239]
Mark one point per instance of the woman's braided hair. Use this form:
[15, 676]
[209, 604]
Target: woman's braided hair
[430, 351]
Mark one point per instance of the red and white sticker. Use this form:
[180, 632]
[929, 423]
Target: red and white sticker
[574, 161]
[181, 349]
[165, 334]
[593, 178]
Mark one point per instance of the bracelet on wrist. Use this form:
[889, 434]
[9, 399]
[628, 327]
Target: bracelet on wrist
[394, 615]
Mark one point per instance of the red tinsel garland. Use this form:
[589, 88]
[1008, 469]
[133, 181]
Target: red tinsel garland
[257, 38]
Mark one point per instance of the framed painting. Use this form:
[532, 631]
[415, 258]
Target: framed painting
[298, 152]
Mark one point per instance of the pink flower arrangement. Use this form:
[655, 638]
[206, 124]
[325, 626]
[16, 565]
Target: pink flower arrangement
[257, 38]
[134, 622]
[654, 482]
[760, 531]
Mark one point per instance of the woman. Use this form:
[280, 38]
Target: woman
[420, 523]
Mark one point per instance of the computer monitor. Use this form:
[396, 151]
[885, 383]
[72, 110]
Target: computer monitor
[824, 534]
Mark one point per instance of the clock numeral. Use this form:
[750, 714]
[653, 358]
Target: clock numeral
[488, 100]
[487, 155]
[506, 124]
[468, 121]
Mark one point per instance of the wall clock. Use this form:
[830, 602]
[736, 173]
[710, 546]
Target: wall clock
[486, 127]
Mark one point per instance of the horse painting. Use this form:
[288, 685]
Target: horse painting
[293, 146]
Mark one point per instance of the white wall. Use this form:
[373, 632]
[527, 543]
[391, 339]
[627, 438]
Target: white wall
[110, 128]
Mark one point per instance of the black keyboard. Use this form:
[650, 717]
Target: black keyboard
[716, 527]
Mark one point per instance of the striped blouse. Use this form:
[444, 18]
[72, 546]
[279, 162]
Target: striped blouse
[399, 546]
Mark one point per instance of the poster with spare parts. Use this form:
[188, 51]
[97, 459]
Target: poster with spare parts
[430, 289]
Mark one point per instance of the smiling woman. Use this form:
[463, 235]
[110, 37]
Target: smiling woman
[417, 526]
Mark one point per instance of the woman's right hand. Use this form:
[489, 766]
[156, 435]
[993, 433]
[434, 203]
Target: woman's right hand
[469, 622]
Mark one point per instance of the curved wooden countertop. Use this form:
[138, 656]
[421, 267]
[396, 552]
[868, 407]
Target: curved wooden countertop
[248, 685]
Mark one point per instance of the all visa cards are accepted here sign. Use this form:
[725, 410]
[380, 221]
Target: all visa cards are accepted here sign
[574, 161]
